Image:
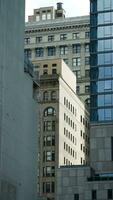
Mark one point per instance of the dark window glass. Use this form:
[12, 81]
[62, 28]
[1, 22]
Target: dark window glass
[110, 194]
[39, 52]
[76, 48]
[76, 196]
[51, 51]
[94, 194]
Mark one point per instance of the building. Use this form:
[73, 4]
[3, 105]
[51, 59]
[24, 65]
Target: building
[18, 119]
[96, 180]
[49, 35]
[64, 123]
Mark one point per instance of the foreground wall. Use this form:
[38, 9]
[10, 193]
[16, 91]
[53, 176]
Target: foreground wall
[18, 137]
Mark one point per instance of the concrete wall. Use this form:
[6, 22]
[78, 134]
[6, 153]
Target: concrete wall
[17, 109]
[100, 147]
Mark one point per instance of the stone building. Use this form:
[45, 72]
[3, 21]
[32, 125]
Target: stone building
[64, 123]
[50, 35]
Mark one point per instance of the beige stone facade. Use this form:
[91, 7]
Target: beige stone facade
[64, 123]
[52, 37]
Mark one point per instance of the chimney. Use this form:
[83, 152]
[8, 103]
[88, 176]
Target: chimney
[59, 12]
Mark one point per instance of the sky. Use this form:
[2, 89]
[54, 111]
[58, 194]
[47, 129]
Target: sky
[72, 7]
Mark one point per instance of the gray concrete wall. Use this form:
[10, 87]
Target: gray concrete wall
[18, 137]
[100, 147]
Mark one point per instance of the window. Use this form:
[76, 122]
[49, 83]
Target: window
[39, 52]
[54, 71]
[94, 194]
[50, 155]
[39, 39]
[87, 73]
[53, 95]
[87, 60]
[49, 125]
[51, 51]
[76, 62]
[78, 73]
[50, 38]
[49, 140]
[75, 35]
[43, 16]
[48, 15]
[27, 53]
[45, 71]
[87, 88]
[76, 196]
[63, 50]
[63, 36]
[27, 40]
[86, 48]
[66, 60]
[45, 96]
[78, 89]
[76, 48]
[110, 194]
[49, 112]
[50, 171]
[87, 35]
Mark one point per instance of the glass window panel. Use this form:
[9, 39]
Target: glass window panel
[108, 114]
[108, 99]
[100, 100]
[107, 85]
[101, 114]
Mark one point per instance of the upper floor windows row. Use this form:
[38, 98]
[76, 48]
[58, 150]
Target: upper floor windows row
[52, 50]
[70, 106]
[49, 95]
[51, 38]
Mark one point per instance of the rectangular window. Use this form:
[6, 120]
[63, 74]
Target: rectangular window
[87, 73]
[76, 48]
[39, 39]
[76, 196]
[87, 88]
[63, 36]
[51, 51]
[94, 194]
[50, 38]
[63, 50]
[86, 48]
[27, 40]
[87, 60]
[110, 194]
[76, 62]
[87, 35]
[75, 35]
[49, 126]
[78, 74]
[66, 60]
[78, 89]
[39, 52]
[27, 53]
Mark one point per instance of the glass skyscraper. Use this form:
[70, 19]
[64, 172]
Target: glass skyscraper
[101, 19]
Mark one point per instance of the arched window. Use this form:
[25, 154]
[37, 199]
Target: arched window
[49, 112]
[45, 96]
[53, 95]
